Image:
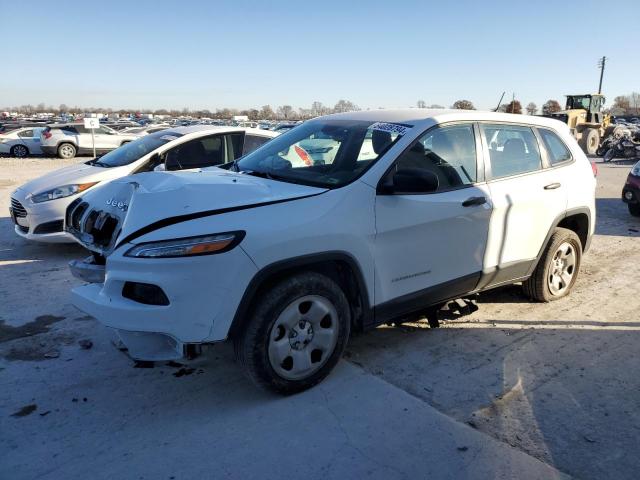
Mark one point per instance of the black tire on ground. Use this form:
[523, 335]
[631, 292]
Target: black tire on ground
[251, 344]
[537, 286]
[67, 150]
[590, 140]
[19, 151]
[634, 209]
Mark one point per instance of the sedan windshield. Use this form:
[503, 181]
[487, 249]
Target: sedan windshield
[132, 151]
[324, 153]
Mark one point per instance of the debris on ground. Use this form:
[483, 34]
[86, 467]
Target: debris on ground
[184, 371]
[26, 410]
[44, 414]
[143, 364]
[85, 344]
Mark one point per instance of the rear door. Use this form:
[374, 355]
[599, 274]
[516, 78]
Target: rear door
[527, 197]
[431, 246]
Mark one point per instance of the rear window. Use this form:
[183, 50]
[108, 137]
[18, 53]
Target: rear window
[513, 149]
[70, 129]
[556, 149]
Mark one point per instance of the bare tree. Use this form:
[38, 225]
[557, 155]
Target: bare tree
[622, 102]
[63, 108]
[285, 111]
[551, 106]
[513, 107]
[345, 106]
[266, 113]
[532, 108]
[421, 104]
[463, 105]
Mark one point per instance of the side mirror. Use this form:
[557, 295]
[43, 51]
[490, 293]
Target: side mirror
[411, 181]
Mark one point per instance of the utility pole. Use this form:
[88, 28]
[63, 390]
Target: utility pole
[601, 64]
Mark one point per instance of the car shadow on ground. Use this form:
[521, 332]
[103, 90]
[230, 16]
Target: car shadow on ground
[527, 383]
[16, 248]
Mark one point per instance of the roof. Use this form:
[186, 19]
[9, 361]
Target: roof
[218, 129]
[423, 116]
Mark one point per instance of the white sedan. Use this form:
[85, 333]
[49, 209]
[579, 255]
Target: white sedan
[21, 142]
[38, 207]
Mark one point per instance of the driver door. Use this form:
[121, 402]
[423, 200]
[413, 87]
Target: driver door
[430, 246]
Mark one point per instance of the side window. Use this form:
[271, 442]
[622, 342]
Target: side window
[447, 152]
[199, 153]
[512, 149]
[556, 149]
[251, 142]
[26, 134]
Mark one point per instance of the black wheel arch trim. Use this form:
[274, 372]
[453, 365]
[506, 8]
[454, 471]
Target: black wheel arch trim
[567, 213]
[272, 269]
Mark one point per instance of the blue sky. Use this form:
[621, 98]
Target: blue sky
[240, 54]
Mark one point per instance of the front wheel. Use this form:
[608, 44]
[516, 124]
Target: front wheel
[295, 334]
[557, 269]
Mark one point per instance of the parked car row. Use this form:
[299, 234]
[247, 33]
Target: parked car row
[38, 207]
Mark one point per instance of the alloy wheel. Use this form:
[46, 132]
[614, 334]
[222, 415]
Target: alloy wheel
[562, 269]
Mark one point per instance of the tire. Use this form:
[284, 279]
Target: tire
[66, 151]
[610, 155]
[634, 209]
[541, 286]
[276, 343]
[19, 151]
[590, 140]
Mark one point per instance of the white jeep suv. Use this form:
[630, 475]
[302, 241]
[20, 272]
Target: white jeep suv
[414, 208]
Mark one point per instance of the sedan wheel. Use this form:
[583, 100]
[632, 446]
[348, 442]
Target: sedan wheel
[20, 151]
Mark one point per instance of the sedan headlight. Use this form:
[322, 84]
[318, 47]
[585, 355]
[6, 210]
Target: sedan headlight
[61, 192]
[187, 247]
[636, 170]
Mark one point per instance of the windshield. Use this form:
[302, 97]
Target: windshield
[132, 151]
[324, 153]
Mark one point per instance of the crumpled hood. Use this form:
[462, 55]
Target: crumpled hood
[80, 173]
[145, 199]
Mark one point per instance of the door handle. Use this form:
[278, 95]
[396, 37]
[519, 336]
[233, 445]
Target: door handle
[471, 201]
[552, 186]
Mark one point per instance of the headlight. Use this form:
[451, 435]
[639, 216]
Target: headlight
[187, 247]
[636, 170]
[61, 192]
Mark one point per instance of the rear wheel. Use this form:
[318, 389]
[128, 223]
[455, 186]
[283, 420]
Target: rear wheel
[590, 140]
[296, 333]
[66, 150]
[634, 209]
[557, 269]
[19, 151]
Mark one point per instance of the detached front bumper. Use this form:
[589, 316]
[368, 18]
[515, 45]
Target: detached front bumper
[201, 293]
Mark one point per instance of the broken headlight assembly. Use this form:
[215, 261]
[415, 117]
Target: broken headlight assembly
[187, 247]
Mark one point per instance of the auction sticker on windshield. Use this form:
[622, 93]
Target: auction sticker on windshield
[391, 127]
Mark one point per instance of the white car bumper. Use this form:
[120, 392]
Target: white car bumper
[202, 294]
[42, 222]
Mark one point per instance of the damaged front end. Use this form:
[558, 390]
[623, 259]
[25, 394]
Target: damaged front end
[97, 228]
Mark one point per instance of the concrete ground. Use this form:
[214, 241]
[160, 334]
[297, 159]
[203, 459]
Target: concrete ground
[512, 390]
